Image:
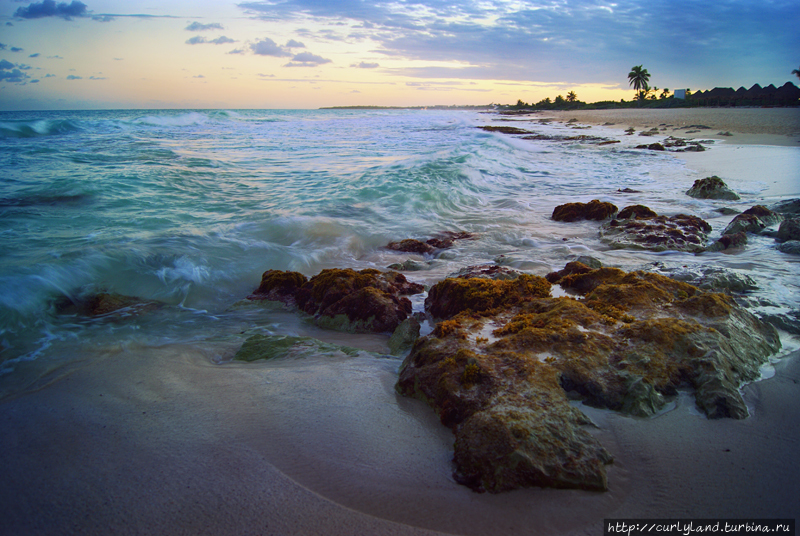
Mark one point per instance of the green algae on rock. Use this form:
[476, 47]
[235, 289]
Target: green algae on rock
[343, 299]
[711, 188]
[753, 220]
[499, 365]
[284, 346]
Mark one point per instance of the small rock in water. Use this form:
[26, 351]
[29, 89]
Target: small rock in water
[792, 247]
[789, 230]
[344, 300]
[789, 206]
[711, 188]
[593, 210]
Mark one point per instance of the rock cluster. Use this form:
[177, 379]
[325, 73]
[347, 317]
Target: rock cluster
[638, 227]
[343, 299]
[504, 354]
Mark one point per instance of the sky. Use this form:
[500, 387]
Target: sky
[107, 54]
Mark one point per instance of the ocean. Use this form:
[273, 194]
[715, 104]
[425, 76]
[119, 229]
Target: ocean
[189, 208]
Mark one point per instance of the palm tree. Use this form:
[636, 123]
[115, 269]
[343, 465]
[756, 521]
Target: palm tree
[639, 78]
[571, 96]
[665, 93]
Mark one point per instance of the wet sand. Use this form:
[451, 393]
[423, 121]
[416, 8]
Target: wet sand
[161, 440]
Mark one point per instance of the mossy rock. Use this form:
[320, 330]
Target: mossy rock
[711, 188]
[593, 210]
[270, 347]
[499, 364]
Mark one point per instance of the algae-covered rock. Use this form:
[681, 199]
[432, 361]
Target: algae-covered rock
[638, 227]
[593, 210]
[105, 304]
[499, 364]
[284, 346]
[343, 299]
[791, 247]
[711, 188]
[444, 240]
[404, 337]
[786, 207]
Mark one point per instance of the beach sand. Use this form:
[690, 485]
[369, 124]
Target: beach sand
[761, 126]
[138, 438]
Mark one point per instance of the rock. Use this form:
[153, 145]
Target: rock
[753, 220]
[789, 206]
[711, 188]
[486, 271]
[789, 230]
[105, 304]
[638, 227]
[628, 191]
[411, 245]
[443, 241]
[711, 278]
[593, 210]
[404, 336]
[284, 346]
[575, 267]
[636, 212]
[727, 211]
[788, 321]
[410, 265]
[504, 354]
[505, 130]
[729, 241]
[652, 146]
[792, 247]
[344, 300]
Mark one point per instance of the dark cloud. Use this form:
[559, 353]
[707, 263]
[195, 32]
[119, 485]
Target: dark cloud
[49, 8]
[268, 47]
[34, 82]
[365, 65]
[16, 49]
[307, 59]
[3, 46]
[34, 55]
[198, 27]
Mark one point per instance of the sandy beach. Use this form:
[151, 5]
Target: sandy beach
[178, 439]
[762, 126]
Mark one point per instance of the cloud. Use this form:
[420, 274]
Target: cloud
[236, 51]
[74, 77]
[103, 18]
[48, 8]
[199, 39]
[3, 46]
[268, 47]
[12, 73]
[98, 78]
[198, 27]
[365, 65]
[589, 40]
[294, 44]
[34, 55]
[307, 59]
[16, 49]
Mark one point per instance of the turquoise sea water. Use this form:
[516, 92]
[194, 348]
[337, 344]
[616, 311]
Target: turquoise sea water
[190, 207]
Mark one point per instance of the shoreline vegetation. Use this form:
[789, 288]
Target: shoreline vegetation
[788, 95]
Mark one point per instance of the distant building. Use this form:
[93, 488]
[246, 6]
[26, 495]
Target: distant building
[680, 93]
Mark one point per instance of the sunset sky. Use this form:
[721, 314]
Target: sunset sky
[314, 53]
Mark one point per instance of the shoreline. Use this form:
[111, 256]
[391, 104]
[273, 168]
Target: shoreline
[751, 126]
